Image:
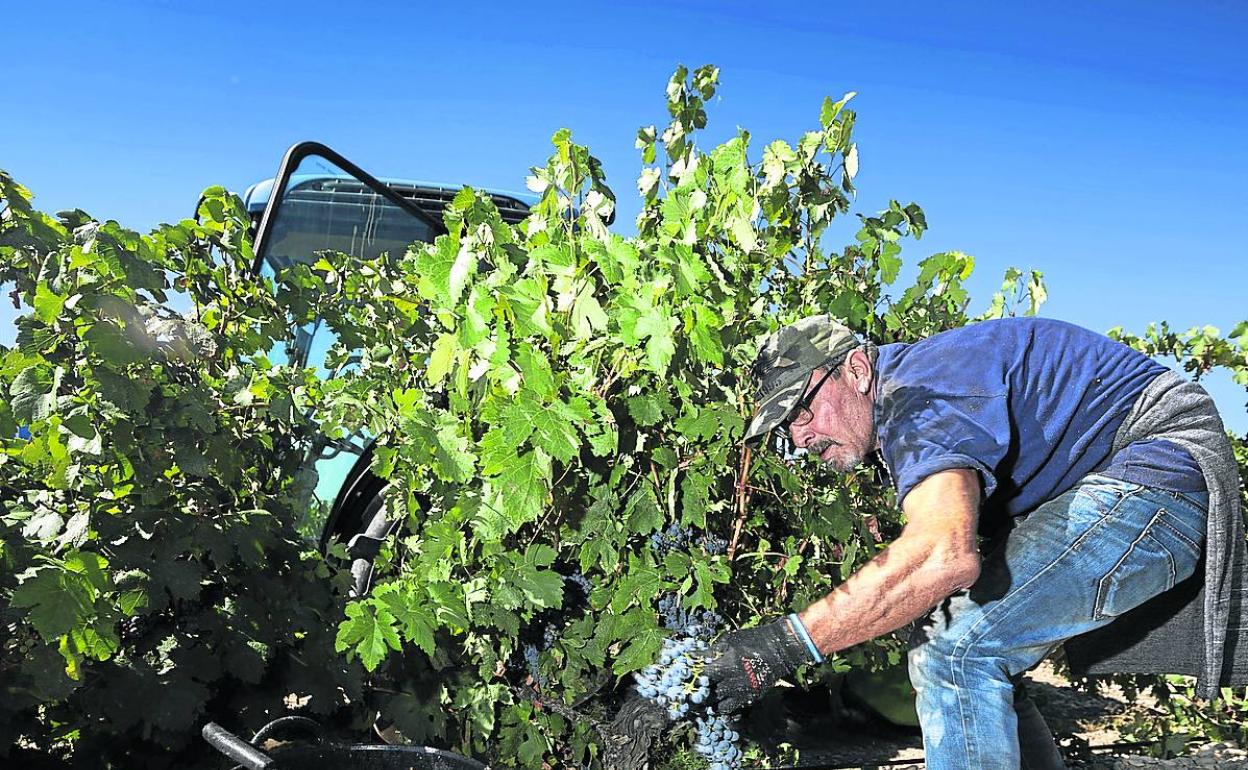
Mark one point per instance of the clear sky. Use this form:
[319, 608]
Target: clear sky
[1102, 143]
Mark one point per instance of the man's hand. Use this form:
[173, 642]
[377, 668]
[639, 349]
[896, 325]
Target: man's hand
[744, 664]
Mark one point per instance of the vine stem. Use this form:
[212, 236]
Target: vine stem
[552, 704]
[784, 583]
[743, 501]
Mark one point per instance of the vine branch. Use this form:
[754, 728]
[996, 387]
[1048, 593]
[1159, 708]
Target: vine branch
[743, 500]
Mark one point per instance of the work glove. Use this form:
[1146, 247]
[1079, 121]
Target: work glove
[744, 664]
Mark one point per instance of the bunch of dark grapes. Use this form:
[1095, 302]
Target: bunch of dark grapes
[698, 623]
[717, 741]
[714, 545]
[674, 538]
[678, 538]
[531, 660]
[581, 582]
[677, 683]
[531, 650]
[673, 681]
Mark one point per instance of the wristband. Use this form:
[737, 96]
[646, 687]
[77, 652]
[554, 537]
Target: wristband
[799, 628]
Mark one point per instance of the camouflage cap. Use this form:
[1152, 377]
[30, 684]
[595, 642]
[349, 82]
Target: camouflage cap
[785, 362]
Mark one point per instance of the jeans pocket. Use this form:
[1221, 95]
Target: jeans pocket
[1100, 494]
[1159, 558]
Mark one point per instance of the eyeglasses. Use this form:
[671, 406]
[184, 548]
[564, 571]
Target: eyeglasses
[801, 414]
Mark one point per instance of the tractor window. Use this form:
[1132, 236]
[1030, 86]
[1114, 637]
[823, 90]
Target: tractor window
[326, 209]
[322, 208]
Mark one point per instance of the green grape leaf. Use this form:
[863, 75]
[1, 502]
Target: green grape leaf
[665, 457]
[98, 641]
[603, 440]
[691, 272]
[419, 720]
[520, 488]
[414, 619]
[442, 358]
[449, 606]
[622, 260]
[434, 264]
[706, 576]
[542, 588]
[55, 604]
[132, 600]
[535, 371]
[660, 329]
[532, 748]
[33, 394]
[694, 498]
[645, 410]
[478, 314]
[529, 305]
[704, 334]
[462, 268]
[368, 632]
[182, 579]
[48, 304]
[500, 443]
[455, 461]
[554, 430]
[641, 651]
[643, 513]
[91, 567]
[114, 345]
[890, 263]
[588, 316]
[698, 425]
[640, 584]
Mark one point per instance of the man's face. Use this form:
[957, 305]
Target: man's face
[841, 428]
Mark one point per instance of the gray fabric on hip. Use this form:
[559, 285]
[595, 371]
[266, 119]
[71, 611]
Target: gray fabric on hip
[1199, 627]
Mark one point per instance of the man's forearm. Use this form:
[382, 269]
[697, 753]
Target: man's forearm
[902, 583]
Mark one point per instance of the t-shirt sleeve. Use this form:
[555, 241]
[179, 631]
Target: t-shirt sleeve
[926, 434]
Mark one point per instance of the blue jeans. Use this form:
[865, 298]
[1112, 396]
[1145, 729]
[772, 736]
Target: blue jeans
[1071, 565]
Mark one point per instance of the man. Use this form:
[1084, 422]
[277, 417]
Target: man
[1104, 476]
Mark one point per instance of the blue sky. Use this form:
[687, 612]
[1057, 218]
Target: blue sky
[1102, 145]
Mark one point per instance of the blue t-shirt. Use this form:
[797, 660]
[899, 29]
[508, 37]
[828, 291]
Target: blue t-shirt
[1030, 403]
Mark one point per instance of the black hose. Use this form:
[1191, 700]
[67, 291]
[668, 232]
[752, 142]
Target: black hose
[236, 748]
[309, 727]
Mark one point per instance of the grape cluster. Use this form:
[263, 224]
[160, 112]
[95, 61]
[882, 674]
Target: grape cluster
[717, 741]
[550, 635]
[714, 545]
[702, 624]
[674, 681]
[677, 683]
[580, 581]
[677, 538]
[674, 538]
[531, 660]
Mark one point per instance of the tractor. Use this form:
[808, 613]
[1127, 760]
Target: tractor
[320, 201]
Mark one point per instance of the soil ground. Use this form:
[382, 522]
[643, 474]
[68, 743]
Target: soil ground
[858, 740]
